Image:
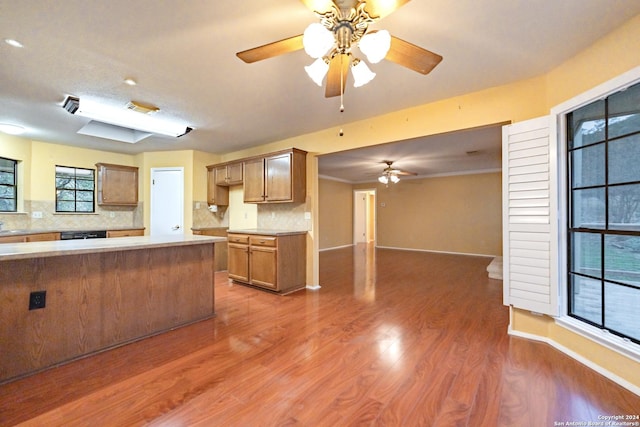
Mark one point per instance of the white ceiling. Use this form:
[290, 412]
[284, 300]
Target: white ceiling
[182, 53]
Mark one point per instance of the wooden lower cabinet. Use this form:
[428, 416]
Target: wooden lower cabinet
[126, 233]
[43, 237]
[37, 237]
[271, 262]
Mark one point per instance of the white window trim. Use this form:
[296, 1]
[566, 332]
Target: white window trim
[558, 113]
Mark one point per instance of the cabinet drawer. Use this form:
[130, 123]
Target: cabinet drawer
[263, 240]
[238, 238]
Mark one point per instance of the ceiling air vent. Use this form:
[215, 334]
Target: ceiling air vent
[139, 107]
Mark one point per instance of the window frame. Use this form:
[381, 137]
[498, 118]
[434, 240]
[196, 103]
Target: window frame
[15, 185]
[558, 113]
[75, 189]
[603, 231]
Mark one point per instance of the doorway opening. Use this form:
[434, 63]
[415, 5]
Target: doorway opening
[364, 216]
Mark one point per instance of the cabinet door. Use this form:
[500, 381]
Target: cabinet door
[43, 237]
[221, 175]
[278, 181]
[125, 233]
[117, 184]
[234, 173]
[254, 180]
[264, 267]
[216, 194]
[238, 258]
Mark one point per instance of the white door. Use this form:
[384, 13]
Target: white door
[360, 217]
[167, 201]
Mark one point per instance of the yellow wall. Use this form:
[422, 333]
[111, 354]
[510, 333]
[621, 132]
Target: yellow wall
[242, 216]
[461, 214]
[16, 148]
[45, 157]
[336, 213]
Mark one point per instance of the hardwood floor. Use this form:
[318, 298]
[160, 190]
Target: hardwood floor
[393, 338]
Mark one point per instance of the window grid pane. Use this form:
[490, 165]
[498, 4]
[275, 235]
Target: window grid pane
[8, 185]
[603, 146]
[75, 189]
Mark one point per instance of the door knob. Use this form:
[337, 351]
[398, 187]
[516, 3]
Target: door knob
[175, 227]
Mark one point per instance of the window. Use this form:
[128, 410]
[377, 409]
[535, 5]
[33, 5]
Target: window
[603, 168]
[74, 189]
[8, 185]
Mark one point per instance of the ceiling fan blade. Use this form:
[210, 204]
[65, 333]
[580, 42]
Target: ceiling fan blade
[337, 75]
[381, 8]
[401, 172]
[318, 6]
[271, 49]
[412, 56]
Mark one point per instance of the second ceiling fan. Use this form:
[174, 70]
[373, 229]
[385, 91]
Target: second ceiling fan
[343, 25]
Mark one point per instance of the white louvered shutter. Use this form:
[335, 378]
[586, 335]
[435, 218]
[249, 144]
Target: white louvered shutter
[530, 215]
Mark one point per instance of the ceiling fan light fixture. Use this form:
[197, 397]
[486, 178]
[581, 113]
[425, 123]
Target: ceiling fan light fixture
[394, 178]
[361, 73]
[375, 45]
[383, 179]
[317, 70]
[317, 40]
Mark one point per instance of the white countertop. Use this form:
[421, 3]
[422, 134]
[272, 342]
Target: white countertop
[11, 251]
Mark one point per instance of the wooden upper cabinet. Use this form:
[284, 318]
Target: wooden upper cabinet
[117, 185]
[278, 177]
[230, 174]
[253, 184]
[216, 194]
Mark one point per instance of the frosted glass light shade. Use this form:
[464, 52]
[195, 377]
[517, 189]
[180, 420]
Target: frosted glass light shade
[383, 179]
[317, 70]
[361, 73]
[375, 45]
[394, 179]
[317, 40]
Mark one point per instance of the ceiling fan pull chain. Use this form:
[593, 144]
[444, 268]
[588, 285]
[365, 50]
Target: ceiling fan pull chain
[341, 85]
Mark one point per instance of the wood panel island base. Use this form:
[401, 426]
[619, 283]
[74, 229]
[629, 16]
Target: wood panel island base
[100, 293]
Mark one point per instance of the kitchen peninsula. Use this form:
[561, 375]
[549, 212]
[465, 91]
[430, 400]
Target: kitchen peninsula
[60, 300]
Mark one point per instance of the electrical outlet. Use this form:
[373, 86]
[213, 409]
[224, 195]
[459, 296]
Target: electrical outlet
[112, 214]
[36, 214]
[307, 215]
[37, 300]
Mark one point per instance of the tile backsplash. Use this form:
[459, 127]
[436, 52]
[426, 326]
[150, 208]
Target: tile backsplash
[203, 218]
[41, 215]
[283, 216]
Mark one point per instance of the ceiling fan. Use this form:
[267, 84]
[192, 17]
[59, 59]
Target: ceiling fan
[390, 174]
[343, 25]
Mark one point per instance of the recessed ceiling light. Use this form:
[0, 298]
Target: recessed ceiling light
[130, 82]
[14, 43]
[11, 129]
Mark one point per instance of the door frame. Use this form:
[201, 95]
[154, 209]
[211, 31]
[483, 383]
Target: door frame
[369, 214]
